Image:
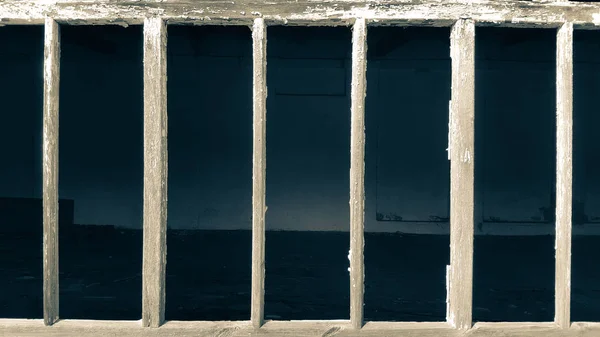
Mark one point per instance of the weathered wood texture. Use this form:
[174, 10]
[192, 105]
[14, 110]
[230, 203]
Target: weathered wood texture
[296, 329]
[425, 12]
[259, 170]
[155, 172]
[564, 172]
[462, 144]
[50, 169]
[357, 172]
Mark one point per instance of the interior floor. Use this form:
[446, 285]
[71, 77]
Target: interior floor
[208, 276]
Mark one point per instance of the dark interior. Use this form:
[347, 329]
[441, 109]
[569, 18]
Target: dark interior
[308, 162]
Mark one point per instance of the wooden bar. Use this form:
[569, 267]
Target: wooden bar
[564, 173]
[506, 13]
[50, 169]
[357, 172]
[259, 170]
[462, 144]
[155, 172]
[85, 328]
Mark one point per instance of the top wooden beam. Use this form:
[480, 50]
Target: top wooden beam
[507, 13]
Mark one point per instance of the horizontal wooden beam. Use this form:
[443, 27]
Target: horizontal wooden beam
[306, 12]
[67, 328]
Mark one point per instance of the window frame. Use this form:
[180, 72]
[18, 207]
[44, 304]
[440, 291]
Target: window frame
[462, 16]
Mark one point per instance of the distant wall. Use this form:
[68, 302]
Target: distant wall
[308, 123]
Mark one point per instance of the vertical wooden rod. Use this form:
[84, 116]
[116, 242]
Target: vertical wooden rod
[564, 173]
[462, 144]
[155, 172]
[50, 169]
[357, 172]
[259, 170]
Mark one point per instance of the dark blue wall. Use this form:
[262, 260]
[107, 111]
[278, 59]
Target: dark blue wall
[308, 123]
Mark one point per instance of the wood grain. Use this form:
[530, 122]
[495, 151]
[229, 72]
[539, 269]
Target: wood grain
[462, 144]
[155, 172]
[564, 173]
[259, 170]
[50, 169]
[77, 328]
[511, 13]
[357, 172]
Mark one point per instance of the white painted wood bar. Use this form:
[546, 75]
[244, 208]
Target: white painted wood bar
[155, 172]
[462, 178]
[259, 170]
[50, 169]
[514, 13]
[564, 172]
[357, 172]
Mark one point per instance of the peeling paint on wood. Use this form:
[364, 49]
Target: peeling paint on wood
[564, 172]
[50, 169]
[155, 172]
[259, 170]
[291, 12]
[462, 143]
[357, 172]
